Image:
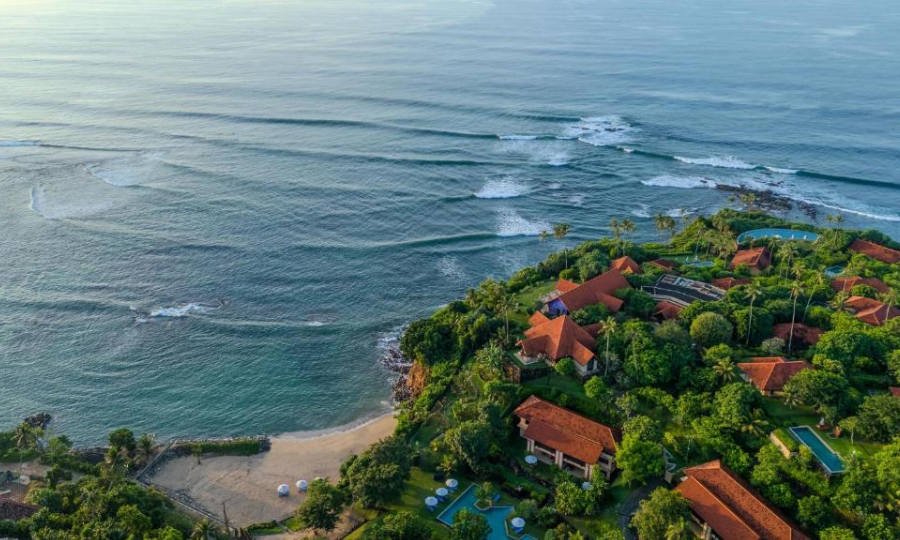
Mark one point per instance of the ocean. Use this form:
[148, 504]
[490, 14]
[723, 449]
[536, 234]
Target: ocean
[214, 215]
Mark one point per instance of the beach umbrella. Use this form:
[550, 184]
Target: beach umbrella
[302, 485]
[451, 483]
[531, 460]
[431, 501]
[518, 523]
[586, 486]
[284, 490]
[441, 492]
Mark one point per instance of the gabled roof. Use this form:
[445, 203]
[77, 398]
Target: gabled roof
[876, 251]
[558, 338]
[538, 319]
[847, 283]
[667, 310]
[729, 282]
[564, 430]
[871, 311]
[664, 264]
[564, 286]
[732, 508]
[595, 291]
[802, 332]
[754, 258]
[769, 374]
[13, 510]
[626, 265]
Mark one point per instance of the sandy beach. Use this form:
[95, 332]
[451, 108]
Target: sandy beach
[247, 485]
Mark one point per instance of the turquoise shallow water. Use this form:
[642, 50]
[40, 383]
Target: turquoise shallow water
[213, 214]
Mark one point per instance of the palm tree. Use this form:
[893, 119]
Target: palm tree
[616, 229]
[145, 447]
[608, 329]
[202, 530]
[679, 530]
[839, 300]
[504, 304]
[786, 254]
[724, 370]
[560, 231]
[25, 438]
[660, 221]
[753, 291]
[790, 396]
[757, 425]
[796, 291]
[890, 298]
[851, 423]
[628, 227]
[818, 283]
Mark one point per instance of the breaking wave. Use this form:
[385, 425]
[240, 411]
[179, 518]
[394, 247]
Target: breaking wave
[503, 188]
[600, 131]
[725, 162]
[643, 211]
[511, 223]
[180, 310]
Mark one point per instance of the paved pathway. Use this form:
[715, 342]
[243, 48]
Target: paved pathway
[630, 506]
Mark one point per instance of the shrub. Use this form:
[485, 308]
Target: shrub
[710, 329]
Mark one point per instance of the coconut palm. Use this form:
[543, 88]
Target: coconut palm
[662, 222]
[628, 227]
[145, 447]
[608, 329]
[839, 300]
[25, 437]
[504, 304]
[724, 370]
[752, 291]
[757, 425]
[560, 231]
[202, 530]
[796, 291]
[616, 229]
[786, 254]
[890, 298]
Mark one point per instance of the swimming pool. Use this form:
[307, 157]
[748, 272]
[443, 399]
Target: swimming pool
[784, 234]
[496, 516]
[829, 459]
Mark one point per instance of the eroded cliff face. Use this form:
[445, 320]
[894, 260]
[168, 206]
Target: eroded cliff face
[416, 378]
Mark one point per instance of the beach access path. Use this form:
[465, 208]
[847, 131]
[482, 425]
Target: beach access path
[247, 485]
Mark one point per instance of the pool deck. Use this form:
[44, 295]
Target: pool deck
[821, 459]
[452, 509]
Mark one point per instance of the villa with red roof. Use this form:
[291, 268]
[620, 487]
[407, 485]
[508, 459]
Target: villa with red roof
[769, 374]
[729, 282]
[876, 251]
[757, 259]
[554, 339]
[808, 335]
[847, 284]
[626, 265]
[871, 311]
[569, 298]
[666, 310]
[566, 439]
[666, 265]
[724, 507]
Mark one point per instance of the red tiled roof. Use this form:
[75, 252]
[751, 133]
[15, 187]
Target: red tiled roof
[769, 374]
[564, 286]
[664, 264]
[871, 311]
[802, 332]
[564, 430]
[847, 283]
[895, 391]
[538, 319]
[754, 258]
[14, 510]
[729, 282]
[626, 265]
[559, 338]
[732, 508]
[877, 252]
[596, 290]
[667, 310]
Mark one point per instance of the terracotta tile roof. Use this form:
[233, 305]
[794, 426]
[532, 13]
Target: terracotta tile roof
[564, 286]
[877, 252]
[847, 283]
[626, 265]
[14, 510]
[732, 508]
[596, 290]
[564, 430]
[559, 338]
[871, 311]
[758, 258]
[667, 310]
[895, 391]
[729, 282]
[538, 319]
[769, 374]
[664, 264]
[802, 332]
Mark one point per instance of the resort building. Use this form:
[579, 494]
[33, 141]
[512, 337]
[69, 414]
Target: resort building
[729, 282]
[808, 335]
[626, 265]
[769, 374]
[682, 291]
[560, 437]
[756, 259]
[553, 339]
[846, 284]
[666, 265]
[724, 507]
[569, 298]
[876, 251]
[871, 311]
[666, 310]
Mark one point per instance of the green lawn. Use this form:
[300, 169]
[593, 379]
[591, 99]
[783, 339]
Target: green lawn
[567, 385]
[526, 299]
[419, 486]
[784, 416]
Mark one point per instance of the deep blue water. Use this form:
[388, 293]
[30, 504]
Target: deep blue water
[297, 179]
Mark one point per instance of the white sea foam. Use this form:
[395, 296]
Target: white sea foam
[683, 182]
[554, 185]
[502, 188]
[449, 266]
[626, 149]
[180, 310]
[642, 212]
[126, 171]
[518, 137]
[558, 159]
[511, 223]
[677, 212]
[314, 324]
[725, 162]
[577, 200]
[601, 131]
[779, 170]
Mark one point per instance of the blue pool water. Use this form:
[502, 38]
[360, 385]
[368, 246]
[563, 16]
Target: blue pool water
[826, 456]
[496, 516]
[787, 234]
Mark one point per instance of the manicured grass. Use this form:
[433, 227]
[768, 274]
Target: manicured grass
[263, 529]
[784, 416]
[419, 486]
[526, 299]
[567, 385]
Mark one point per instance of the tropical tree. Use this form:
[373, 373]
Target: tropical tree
[664, 224]
[724, 370]
[608, 329]
[145, 447]
[323, 506]
[616, 229]
[660, 512]
[786, 254]
[468, 525]
[560, 231]
[796, 291]
[752, 292]
[890, 298]
[756, 425]
[818, 282]
[26, 437]
[628, 227]
[839, 300]
[202, 530]
[851, 423]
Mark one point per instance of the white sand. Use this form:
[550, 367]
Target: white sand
[247, 485]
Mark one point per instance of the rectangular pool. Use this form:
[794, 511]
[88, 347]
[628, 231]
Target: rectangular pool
[496, 516]
[829, 459]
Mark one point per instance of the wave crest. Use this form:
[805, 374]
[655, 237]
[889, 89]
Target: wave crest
[724, 162]
[511, 223]
[503, 188]
[601, 131]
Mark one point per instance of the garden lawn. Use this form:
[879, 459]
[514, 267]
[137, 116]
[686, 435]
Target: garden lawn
[784, 416]
[526, 299]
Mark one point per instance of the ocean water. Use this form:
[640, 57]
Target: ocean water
[213, 214]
